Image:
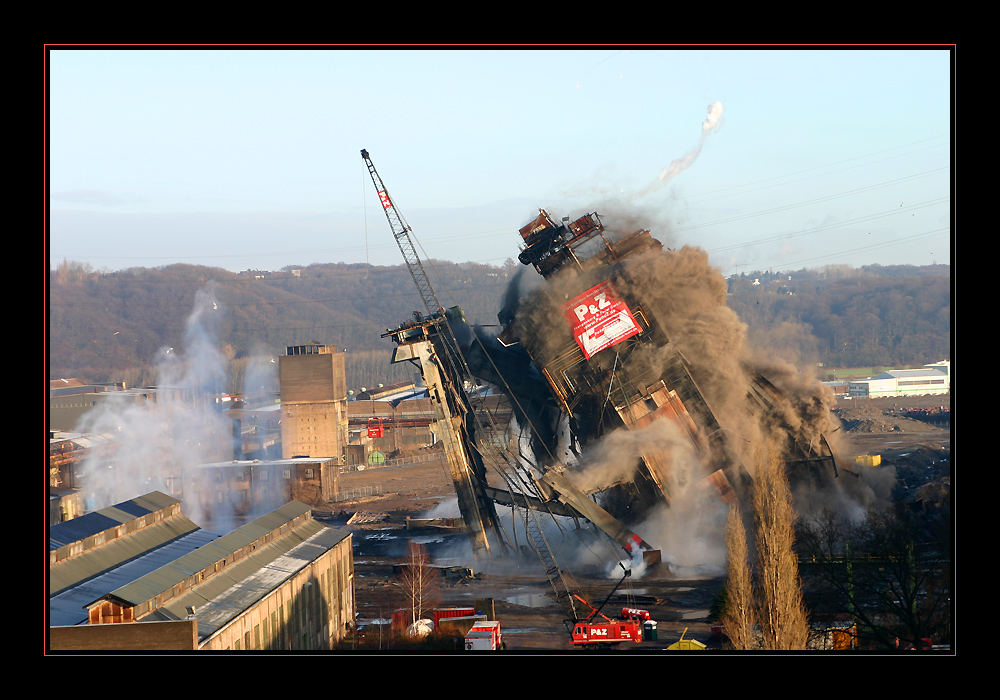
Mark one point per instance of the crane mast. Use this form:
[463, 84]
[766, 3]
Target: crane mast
[420, 340]
[401, 232]
[432, 344]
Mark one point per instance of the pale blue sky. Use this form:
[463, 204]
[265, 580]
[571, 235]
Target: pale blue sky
[251, 159]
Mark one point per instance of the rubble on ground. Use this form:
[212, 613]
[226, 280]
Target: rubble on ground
[869, 419]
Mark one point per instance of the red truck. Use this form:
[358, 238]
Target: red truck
[607, 632]
[484, 636]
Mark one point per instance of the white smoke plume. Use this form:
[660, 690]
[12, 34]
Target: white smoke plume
[689, 532]
[711, 125]
[154, 436]
[613, 459]
[261, 376]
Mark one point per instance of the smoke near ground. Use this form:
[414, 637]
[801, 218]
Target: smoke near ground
[176, 428]
[261, 378]
[688, 533]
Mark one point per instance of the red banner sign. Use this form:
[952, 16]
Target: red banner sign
[599, 319]
[384, 199]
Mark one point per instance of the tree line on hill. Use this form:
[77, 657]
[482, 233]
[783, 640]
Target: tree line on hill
[874, 316]
[112, 326]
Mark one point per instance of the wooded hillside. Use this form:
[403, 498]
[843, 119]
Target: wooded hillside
[112, 326]
[875, 316]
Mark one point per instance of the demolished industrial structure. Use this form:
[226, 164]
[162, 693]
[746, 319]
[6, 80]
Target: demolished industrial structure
[586, 358]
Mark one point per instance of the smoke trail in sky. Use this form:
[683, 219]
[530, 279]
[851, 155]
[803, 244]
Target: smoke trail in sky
[711, 124]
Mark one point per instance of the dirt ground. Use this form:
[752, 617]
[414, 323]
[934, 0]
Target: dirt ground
[880, 425]
[523, 601]
[531, 620]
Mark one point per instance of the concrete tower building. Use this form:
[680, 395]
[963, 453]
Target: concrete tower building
[313, 401]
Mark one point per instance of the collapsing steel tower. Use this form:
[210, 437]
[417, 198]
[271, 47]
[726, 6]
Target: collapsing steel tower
[613, 354]
[607, 359]
[596, 359]
[429, 342]
[472, 439]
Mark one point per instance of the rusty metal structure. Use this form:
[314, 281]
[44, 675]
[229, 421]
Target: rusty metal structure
[606, 364]
[614, 354]
[428, 343]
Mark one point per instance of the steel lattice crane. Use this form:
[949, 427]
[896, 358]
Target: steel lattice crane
[401, 232]
[465, 426]
[431, 343]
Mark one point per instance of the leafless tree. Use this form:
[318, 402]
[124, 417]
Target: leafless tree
[781, 611]
[738, 618]
[893, 576]
[764, 605]
[418, 582]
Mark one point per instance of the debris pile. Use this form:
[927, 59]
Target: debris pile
[366, 518]
[867, 419]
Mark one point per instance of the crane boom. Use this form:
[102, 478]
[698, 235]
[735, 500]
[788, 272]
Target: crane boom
[401, 232]
[432, 343]
[477, 507]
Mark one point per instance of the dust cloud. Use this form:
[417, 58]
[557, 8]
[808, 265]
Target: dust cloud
[689, 532]
[687, 297]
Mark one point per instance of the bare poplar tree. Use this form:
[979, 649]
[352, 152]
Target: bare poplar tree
[781, 612]
[418, 582]
[738, 618]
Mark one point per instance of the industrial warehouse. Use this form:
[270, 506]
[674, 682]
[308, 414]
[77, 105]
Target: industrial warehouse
[280, 582]
[934, 378]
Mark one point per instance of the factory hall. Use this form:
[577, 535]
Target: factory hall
[140, 575]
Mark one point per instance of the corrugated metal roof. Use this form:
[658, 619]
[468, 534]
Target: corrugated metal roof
[81, 440]
[69, 607]
[90, 524]
[86, 565]
[149, 503]
[910, 373]
[268, 462]
[79, 529]
[227, 595]
[169, 575]
[154, 567]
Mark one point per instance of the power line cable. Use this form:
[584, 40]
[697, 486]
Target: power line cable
[884, 244]
[807, 202]
[839, 224]
[797, 174]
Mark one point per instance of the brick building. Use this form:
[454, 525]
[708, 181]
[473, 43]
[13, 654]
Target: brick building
[313, 401]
